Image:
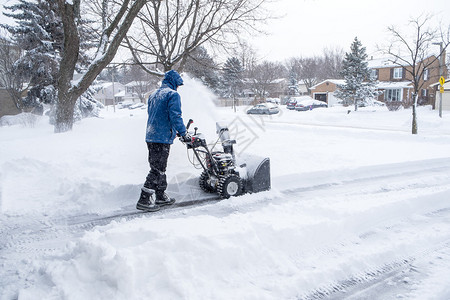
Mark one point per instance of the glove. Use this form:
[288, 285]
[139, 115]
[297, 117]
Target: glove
[186, 138]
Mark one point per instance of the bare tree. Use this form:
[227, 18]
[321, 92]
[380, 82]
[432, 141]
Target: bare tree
[310, 71]
[111, 37]
[414, 52]
[331, 63]
[170, 30]
[263, 76]
[141, 82]
[247, 55]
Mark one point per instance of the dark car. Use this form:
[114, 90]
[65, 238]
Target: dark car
[291, 104]
[309, 104]
[264, 109]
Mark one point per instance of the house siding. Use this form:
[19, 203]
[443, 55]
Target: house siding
[427, 94]
[7, 106]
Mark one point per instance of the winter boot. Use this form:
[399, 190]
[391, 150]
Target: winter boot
[163, 199]
[146, 201]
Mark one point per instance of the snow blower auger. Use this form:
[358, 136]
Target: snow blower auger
[221, 173]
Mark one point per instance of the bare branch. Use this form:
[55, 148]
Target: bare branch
[416, 58]
[169, 32]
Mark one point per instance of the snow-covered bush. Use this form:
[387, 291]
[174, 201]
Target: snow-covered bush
[24, 119]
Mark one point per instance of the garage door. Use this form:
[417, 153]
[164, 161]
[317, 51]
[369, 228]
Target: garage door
[321, 96]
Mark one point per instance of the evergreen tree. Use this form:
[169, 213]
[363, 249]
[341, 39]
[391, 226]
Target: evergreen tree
[232, 77]
[292, 88]
[359, 86]
[39, 32]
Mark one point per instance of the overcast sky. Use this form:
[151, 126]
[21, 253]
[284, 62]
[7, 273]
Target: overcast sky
[306, 27]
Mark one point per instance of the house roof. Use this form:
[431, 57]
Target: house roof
[380, 85]
[120, 94]
[394, 85]
[384, 63]
[379, 63]
[136, 83]
[106, 84]
[446, 84]
[279, 80]
[335, 81]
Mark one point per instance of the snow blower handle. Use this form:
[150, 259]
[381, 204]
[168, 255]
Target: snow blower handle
[187, 127]
[189, 124]
[186, 139]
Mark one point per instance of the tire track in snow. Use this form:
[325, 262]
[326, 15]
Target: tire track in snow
[360, 285]
[393, 278]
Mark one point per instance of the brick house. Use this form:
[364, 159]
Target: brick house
[396, 82]
[393, 79]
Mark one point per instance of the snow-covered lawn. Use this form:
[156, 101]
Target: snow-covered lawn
[359, 208]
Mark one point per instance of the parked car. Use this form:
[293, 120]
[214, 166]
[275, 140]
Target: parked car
[124, 104]
[264, 109]
[309, 104]
[291, 104]
[136, 105]
[273, 100]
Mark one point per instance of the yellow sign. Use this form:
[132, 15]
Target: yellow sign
[441, 90]
[442, 81]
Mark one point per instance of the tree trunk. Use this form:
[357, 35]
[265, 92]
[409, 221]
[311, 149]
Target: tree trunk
[414, 115]
[68, 93]
[66, 100]
[64, 112]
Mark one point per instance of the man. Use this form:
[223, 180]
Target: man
[164, 123]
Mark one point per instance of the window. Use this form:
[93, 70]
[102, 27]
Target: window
[424, 93]
[374, 74]
[398, 73]
[425, 74]
[392, 95]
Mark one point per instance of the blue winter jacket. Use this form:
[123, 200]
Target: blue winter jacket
[164, 111]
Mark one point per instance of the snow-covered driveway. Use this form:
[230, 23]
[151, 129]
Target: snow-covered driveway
[359, 209]
[376, 233]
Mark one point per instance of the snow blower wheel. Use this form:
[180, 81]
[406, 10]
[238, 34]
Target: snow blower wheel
[205, 183]
[229, 186]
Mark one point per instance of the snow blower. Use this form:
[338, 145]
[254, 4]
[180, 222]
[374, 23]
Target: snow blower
[221, 173]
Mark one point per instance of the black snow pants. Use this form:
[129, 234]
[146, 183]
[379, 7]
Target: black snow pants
[158, 155]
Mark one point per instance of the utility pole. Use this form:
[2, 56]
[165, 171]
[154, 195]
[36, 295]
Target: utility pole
[113, 91]
[441, 71]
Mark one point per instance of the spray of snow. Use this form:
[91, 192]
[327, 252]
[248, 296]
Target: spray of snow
[198, 105]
